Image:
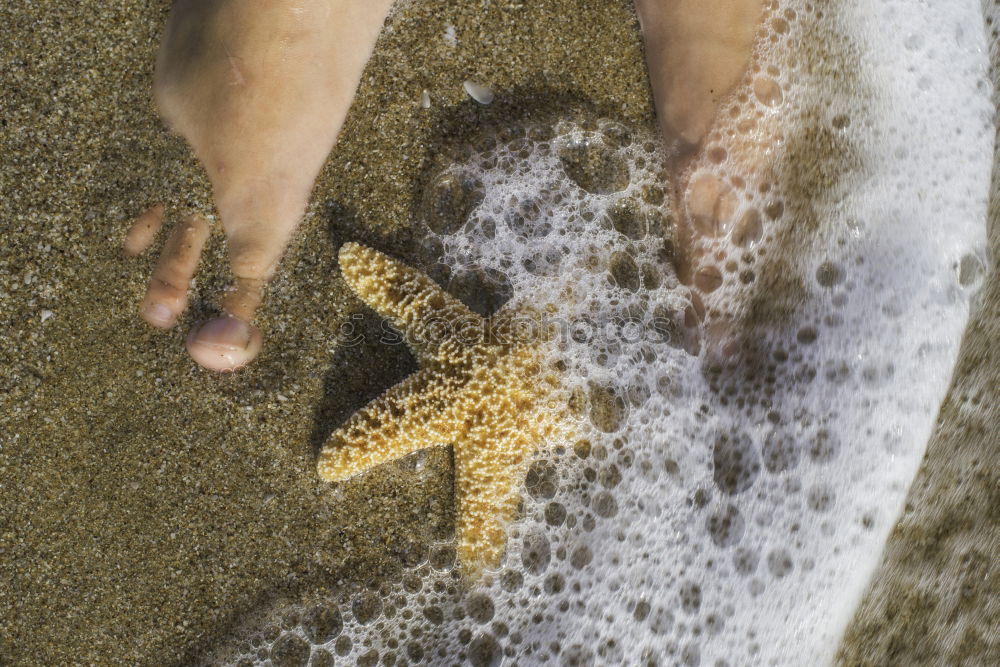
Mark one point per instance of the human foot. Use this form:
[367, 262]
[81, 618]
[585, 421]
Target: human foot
[260, 91]
[697, 51]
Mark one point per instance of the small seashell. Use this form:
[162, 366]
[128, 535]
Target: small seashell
[425, 100]
[46, 314]
[481, 94]
[449, 36]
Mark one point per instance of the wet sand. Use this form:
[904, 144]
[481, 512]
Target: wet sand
[146, 505]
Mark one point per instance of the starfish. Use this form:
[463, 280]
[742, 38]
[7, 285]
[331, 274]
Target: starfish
[482, 387]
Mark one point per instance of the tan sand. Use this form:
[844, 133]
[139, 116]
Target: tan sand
[146, 504]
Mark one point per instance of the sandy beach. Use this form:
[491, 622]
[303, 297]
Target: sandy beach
[147, 506]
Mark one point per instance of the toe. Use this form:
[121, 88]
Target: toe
[259, 216]
[143, 230]
[245, 297]
[224, 343]
[709, 208]
[232, 341]
[166, 296]
[711, 204]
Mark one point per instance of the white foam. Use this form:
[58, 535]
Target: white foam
[737, 508]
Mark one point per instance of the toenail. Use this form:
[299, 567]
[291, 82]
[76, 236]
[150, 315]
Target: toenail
[158, 315]
[223, 333]
[224, 344]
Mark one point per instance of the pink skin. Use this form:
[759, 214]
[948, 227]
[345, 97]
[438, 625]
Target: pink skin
[260, 89]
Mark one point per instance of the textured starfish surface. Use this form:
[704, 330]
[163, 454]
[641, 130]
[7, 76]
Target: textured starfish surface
[482, 388]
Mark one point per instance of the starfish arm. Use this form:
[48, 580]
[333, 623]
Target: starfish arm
[489, 470]
[410, 416]
[434, 323]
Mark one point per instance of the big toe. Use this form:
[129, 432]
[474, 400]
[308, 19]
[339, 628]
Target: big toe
[224, 343]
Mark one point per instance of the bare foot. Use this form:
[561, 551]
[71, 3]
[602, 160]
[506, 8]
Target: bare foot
[260, 89]
[697, 51]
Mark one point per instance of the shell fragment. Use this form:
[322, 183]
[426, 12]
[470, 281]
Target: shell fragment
[479, 93]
